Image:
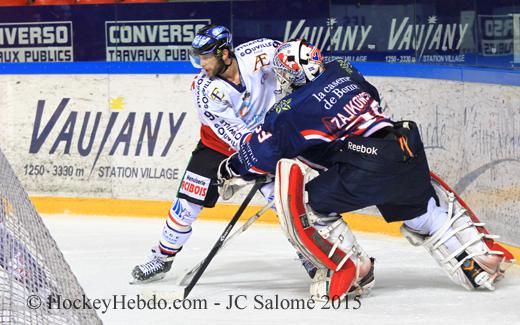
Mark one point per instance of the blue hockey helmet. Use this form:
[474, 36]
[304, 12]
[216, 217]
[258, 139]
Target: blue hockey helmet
[210, 39]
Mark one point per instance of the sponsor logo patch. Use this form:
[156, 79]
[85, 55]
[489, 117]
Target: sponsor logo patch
[304, 221]
[195, 186]
[283, 105]
[216, 95]
[362, 149]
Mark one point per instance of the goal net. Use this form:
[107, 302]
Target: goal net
[33, 271]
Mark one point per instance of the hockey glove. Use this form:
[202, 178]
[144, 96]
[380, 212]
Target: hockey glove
[225, 171]
[229, 181]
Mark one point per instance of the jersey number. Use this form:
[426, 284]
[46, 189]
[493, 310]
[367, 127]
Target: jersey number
[210, 116]
[262, 135]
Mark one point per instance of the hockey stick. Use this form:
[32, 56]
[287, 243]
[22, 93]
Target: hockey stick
[188, 274]
[186, 291]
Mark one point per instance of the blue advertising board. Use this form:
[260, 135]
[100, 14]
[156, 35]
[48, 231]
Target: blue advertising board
[140, 32]
[480, 33]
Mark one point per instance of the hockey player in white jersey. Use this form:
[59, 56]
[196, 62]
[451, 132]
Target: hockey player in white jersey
[232, 94]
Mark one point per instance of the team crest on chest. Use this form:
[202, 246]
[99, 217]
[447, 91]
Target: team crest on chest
[261, 61]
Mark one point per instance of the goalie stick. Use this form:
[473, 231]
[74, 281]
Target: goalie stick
[188, 274]
[183, 294]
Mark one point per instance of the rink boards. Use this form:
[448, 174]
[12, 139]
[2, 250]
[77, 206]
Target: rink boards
[129, 137]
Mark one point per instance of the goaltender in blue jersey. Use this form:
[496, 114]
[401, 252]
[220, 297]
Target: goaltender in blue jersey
[307, 123]
[332, 151]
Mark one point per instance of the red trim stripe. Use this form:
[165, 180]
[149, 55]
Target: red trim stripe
[167, 251]
[305, 133]
[258, 170]
[175, 221]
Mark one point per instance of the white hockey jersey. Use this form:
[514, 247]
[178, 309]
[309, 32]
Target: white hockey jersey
[227, 111]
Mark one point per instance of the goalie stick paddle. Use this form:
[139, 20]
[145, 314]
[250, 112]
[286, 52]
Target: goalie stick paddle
[222, 238]
[188, 274]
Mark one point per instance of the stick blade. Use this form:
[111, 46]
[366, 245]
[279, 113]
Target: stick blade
[188, 275]
[183, 281]
[180, 293]
[164, 292]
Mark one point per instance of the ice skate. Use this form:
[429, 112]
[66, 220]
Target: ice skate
[481, 271]
[365, 285]
[154, 269]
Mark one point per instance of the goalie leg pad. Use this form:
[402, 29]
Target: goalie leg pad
[326, 241]
[460, 244]
[441, 187]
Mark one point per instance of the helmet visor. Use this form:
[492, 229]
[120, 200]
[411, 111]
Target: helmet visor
[202, 44]
[195, 58]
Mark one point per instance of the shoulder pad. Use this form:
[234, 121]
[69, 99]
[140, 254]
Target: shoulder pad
[212, 89]
[197, 81]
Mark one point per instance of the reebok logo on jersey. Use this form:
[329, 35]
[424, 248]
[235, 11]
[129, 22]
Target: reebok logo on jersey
[362, 149]
[195, 186]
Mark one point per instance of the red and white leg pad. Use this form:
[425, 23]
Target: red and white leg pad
[442, 187]
[476, 244]
[326, 241]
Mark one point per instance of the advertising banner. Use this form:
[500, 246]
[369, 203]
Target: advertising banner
[436, 32]
[144, 32]
[153, 40]
[36, 42]
[73, 135]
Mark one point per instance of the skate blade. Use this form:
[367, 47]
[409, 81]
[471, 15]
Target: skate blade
[362, 292]
[152, 279]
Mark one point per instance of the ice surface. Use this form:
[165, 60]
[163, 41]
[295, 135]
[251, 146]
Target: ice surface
[410, 287]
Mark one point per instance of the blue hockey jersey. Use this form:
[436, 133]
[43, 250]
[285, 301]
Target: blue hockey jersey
[312, 122]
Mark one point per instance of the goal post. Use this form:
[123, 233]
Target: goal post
[33, 271]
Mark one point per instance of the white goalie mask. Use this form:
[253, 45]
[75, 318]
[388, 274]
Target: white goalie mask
[296, 63]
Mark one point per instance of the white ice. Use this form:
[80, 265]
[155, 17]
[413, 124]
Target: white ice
[410, 287]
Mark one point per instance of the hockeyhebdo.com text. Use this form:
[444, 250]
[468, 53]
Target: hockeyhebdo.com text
[154, 302]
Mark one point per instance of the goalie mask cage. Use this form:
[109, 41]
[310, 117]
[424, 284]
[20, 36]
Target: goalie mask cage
[33, 270]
